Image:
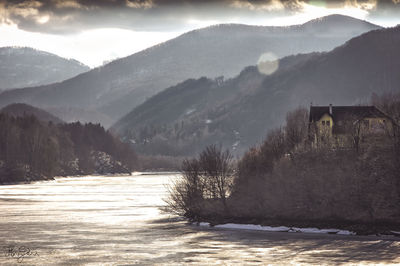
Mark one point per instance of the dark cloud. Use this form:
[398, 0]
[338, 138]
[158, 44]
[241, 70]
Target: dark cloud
[64, 16]
[68, 16]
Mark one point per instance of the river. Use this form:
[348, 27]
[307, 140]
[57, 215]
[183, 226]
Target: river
[97, 220]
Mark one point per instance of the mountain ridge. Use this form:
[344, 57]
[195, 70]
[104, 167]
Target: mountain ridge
[117, 87]
[344, 76]
[28, 67]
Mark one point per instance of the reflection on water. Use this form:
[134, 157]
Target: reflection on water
[116, 220]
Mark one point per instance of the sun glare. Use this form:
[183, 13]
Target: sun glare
[43, 19]
[92, 47]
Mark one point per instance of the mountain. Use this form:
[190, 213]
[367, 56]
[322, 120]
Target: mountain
[23, 67]
[238, 112]
[21, 109]
[223, 50]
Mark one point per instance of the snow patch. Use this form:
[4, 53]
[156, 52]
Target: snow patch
[253, 227]
[190, 111]
[204, 224]
[279, 229]
[235, 145]
[345, 232]
[319, 231]
[396, 233]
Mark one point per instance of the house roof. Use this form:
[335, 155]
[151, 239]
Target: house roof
[345, 112]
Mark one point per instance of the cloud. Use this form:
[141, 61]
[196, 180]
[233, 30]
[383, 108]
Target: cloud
[139, 4]
[58, 16]
[71, 16]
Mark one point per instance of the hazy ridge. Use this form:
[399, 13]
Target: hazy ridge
[23, 67]
[239, 112]
[114, 89]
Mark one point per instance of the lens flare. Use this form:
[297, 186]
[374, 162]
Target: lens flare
[268, 63]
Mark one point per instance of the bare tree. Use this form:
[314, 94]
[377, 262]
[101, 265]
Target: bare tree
[217, 169]
[204, 180]
[296, 128]
[389, 103]
[186, 194]
[275, 144]
[353, 127]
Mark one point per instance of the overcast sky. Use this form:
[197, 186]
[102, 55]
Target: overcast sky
[93, 31]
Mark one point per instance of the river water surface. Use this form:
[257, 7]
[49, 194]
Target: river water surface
[118, 221]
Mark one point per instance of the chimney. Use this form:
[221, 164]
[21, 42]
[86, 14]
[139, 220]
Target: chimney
[330, 109]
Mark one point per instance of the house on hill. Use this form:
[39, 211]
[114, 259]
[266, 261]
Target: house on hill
[337, 125]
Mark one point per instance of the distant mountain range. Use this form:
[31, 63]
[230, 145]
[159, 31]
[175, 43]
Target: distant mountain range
[21, 109]
[25, 67]
[108, 92]
[238, 112]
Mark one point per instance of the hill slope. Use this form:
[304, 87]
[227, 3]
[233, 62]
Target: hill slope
[23, 67]
[32, 150]
[21, 109]
[244, 108]
[117, 87]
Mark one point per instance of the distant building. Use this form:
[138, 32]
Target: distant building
[337, 125]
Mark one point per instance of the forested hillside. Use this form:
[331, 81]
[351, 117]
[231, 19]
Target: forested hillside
[21, 109]
[237, 112]
[34, 150]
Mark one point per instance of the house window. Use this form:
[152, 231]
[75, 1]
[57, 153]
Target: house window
[323, 123]
[328, 123]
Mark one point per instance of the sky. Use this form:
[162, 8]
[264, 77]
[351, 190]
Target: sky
[98, 31]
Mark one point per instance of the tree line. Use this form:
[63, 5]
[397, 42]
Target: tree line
[285, 179]
[34, 150]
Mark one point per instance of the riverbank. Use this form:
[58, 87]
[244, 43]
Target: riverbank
[45, 178]
[377, 228]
